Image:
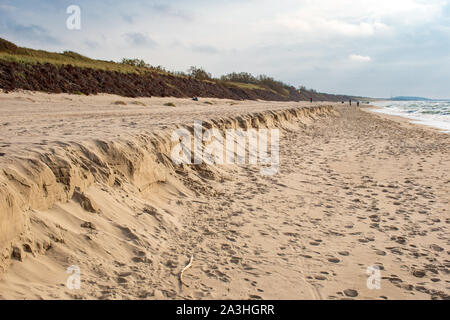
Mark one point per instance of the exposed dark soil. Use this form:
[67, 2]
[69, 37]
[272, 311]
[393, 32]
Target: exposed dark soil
[69, 79]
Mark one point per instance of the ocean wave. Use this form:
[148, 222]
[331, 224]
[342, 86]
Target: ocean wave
[431, 113]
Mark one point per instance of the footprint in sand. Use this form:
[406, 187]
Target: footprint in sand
[351, 293]
[419, 273]
[380, 252]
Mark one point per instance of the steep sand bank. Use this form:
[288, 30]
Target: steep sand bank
[54, 147]
[354, 190]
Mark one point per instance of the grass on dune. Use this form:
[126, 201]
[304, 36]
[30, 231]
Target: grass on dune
[12, 53]
[242, 85]
[68, 58]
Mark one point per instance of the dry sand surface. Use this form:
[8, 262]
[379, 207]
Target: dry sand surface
[89, 183]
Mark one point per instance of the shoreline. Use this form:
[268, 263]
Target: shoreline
[421, 123]
[400, 119]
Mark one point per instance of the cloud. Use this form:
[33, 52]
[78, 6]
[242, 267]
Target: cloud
[323, 19]
[128, 18]
[6, 7]
[92, 44]
[168, 10]
[205, 49]
[359, 58]
[13, 27]
[322, 27]
[32, 32]
[139, 39]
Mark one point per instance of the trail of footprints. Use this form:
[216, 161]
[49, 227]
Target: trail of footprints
[314, 220]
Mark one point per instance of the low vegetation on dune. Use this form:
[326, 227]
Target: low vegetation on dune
[139, 103]
[261, 81]
[71, 72]
[120, 103]
[12, 53]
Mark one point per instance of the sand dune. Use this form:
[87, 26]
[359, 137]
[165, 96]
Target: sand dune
[89, 182]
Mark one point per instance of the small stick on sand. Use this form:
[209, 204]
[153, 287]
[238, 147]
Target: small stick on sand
[185, 268]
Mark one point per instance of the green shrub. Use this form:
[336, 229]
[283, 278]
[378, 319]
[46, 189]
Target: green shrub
[138, 103]
[135, 63]
[242, 77]
[199, 73]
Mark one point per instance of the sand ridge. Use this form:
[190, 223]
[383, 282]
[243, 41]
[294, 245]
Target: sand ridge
[60, 170]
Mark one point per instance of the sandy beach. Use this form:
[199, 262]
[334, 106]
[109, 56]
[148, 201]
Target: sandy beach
[87, 181]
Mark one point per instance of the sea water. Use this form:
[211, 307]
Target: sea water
[431, 113]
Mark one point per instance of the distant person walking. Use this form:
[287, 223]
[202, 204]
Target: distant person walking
[357, 104]
[350, 101]
[310, 100]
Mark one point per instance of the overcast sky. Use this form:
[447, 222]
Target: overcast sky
[372, 48]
